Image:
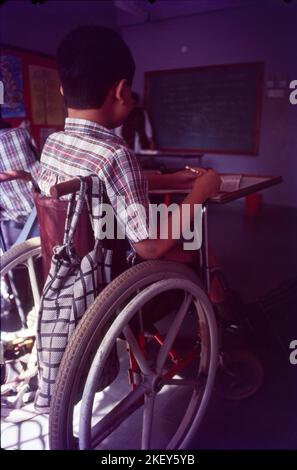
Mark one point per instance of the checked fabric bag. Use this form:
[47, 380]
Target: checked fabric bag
[71, 287]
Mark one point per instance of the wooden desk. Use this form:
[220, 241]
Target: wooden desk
[249, 184]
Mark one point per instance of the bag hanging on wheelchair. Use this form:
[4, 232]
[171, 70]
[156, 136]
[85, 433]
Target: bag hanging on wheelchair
[72, 285]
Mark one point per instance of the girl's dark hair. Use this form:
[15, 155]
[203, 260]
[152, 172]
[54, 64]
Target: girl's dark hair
[91, 59]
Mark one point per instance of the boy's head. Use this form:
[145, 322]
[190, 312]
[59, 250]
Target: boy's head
[91, 61]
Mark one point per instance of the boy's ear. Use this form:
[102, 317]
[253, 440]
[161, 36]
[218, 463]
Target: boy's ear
[61, 90]
[120, 90]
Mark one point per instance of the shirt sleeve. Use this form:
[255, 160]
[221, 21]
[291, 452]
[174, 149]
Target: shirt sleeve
[18, 152]
[30, 153]
[127, 190]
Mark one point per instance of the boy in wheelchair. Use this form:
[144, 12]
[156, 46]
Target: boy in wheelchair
[96, 70]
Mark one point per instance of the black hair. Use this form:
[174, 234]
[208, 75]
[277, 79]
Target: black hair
[5, 125]
[135, 97]
[91, 59]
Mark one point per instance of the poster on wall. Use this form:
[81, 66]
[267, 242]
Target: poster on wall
[11, 75]
[47, 102]
[37, 89]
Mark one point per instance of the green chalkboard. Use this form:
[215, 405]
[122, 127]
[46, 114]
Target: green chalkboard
[213, 109]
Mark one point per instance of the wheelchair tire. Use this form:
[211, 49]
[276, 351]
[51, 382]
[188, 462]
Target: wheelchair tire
[24, 255]
[104, 324]
[19, 254]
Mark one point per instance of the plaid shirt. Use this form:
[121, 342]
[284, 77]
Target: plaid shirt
[17, 152]
[86, 148]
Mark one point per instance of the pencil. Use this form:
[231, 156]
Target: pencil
[192, 170]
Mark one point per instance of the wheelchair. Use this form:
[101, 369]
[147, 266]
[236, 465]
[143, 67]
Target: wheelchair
[158, 316]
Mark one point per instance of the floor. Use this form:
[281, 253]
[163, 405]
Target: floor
[257, 253]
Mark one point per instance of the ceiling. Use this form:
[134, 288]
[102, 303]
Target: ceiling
[41, 26]
[133, 12]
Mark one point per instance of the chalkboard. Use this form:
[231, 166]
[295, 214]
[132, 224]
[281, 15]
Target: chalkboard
[213, 109]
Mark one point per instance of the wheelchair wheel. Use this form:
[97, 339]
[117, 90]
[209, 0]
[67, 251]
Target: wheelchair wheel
[21, 265]
[21, 279]
[171, 359]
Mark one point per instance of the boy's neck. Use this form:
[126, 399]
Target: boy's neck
[95, 115]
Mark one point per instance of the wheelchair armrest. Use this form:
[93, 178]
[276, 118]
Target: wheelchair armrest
[12, 175]
[68, 187]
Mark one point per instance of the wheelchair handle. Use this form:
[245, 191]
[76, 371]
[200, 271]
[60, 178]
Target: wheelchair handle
[15, 175]
[68, 187]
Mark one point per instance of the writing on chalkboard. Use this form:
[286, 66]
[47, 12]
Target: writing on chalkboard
[207, 109]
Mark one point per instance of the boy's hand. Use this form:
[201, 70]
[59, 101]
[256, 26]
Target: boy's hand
[209, 183]
[185, 179]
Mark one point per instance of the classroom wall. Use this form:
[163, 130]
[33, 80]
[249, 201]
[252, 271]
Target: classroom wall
[263, 33]
[40, 27]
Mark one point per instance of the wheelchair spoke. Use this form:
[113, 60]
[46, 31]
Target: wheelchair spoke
[138, 354]
[172, 333]
[116, 416]
[148, 412]
[34, 283]
[17, 300]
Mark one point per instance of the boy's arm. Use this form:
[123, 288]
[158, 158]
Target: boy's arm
[183, 179]
[203, 188]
